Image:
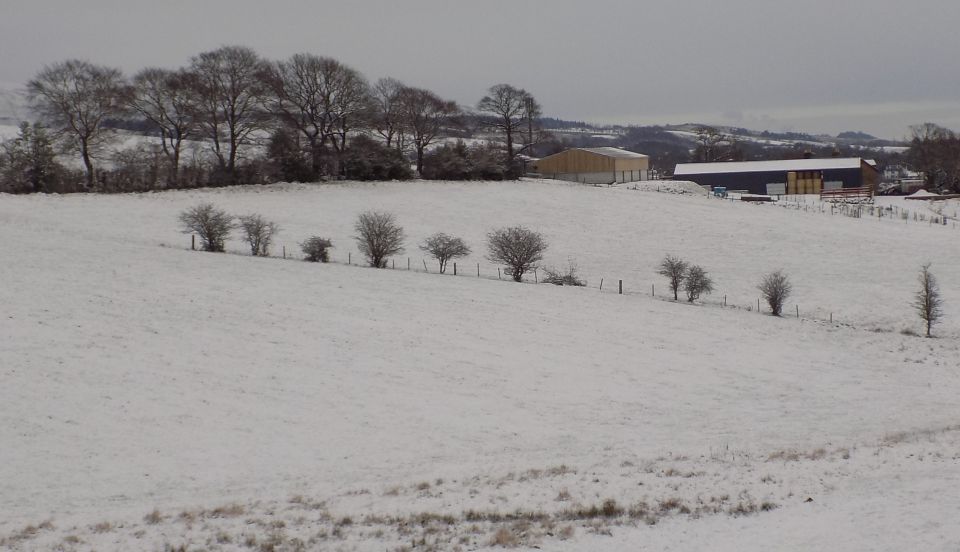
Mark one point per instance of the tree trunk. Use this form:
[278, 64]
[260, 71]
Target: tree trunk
[87, 162]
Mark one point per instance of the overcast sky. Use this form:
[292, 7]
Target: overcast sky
[816, 65]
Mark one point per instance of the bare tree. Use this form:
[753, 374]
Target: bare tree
[425, 115]
[517, 247]
[927, 301]
[322, 99]
[258, 232]
[935, 152]
[213, 225]
[513, 112]
[387, 121]
[74, 97]
[316, 249]
[378, 237]
[168, 101]
[444, 248]
[675, 270]
[775, 287]
[697, 283]
[231, 93]
[713, 145]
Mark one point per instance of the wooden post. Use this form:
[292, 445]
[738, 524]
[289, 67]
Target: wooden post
[478, 270]
[535, 279]
[652, 292]
[724, 300]
[393, 264]
[193, 242]
[454, 269]
[498, 273]
[601, 284]
[831, 318]
[349, 258]
[284, 252]
[798, 311]
[758, 304]
[424, 265]
[408, 263]
[620, 290]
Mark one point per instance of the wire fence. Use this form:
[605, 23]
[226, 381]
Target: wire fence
[631, 288]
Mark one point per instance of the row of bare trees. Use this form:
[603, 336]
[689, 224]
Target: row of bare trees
[232, 99]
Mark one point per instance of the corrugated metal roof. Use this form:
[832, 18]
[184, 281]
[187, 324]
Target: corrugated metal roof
[785, 165]
[615, 152]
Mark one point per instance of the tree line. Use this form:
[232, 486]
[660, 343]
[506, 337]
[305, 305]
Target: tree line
[303, 119]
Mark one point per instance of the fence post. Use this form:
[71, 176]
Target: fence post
[393, 264]
[601, 284]
[620, 290]
[724, 300]
[652, 292]
[478, 270]
[408, 263]
[454, 269]
[349, 258]
[798, 311]
[424, 265]
[535, 279]
[758, 304]
[193, 242]
[284, 252]
[498, 273]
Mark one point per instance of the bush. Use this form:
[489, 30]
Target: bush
[444, 248]
[447, 162]
[675, 270]
[560, 278]
[378, 237]
[517, 247]
[211, 224]
[927, 301]
[316, 249]
[697, 282]
[367, 159]
[775, 288]
[258, 232]
[459, 162]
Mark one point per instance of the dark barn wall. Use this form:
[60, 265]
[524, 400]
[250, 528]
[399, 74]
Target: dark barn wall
[756, 182]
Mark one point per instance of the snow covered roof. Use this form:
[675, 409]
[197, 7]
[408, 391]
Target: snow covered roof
[615, 152]
[785, 165]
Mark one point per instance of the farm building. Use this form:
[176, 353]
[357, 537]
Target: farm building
[792, 176]
[594, 165]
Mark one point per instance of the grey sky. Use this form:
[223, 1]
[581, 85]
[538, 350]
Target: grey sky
[816, 65]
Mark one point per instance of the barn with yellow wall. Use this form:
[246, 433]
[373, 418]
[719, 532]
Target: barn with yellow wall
[595, 166]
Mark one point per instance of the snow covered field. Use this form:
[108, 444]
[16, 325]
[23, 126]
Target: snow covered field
[156, 396]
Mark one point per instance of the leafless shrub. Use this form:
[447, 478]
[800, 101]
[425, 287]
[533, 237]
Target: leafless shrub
[504, 537]
[103, 527]
[378, 237]
[563, 495]
[927, 301]
[517, 247]
[775, 288]
[153, 517]
[211, 224]
[697, 282]
[316, 249]
[258, 232]
[444, 248]
[557, 277]
[675, 270]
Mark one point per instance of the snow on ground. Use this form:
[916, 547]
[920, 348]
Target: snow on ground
[158, 396]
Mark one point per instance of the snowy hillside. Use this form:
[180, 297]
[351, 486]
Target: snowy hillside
[159, 397]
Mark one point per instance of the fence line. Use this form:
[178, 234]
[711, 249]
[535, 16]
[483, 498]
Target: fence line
[723, 304]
